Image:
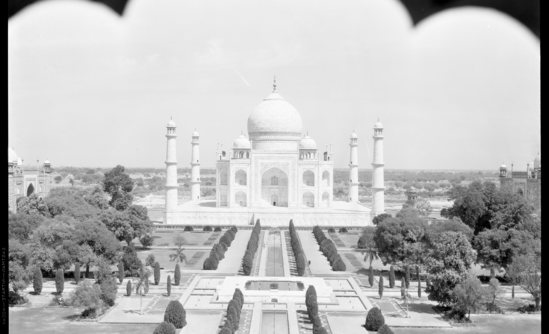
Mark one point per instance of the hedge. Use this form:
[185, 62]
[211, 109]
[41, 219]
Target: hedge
[175, 314]
[188, 228]
[207, 229]
[312, 304]
[217, 229]
[374, 319]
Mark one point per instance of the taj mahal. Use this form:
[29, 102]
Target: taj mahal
[275, 174]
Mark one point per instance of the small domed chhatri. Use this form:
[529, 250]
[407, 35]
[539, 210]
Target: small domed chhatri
[241, 142]
[307, 143]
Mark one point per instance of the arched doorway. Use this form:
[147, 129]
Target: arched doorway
[309, 199]
[309, 178]
[326, 199]
[240, 178]
[30, 190]
[326, 178]
[274, 187]
[241, 199]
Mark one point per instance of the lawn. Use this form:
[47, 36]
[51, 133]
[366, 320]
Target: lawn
[199, 238]
[195, 258]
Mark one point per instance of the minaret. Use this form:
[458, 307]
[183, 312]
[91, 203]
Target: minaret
[195, 168]
[171, 172]
[353, 169]
[378, 182]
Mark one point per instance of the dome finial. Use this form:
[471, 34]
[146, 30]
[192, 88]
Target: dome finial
[274, 83]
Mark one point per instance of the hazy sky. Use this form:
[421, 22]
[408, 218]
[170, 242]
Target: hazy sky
[89, 88]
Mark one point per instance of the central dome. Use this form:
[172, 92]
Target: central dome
[274, 118]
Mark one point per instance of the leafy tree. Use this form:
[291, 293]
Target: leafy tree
[131, 261]
[407, 276]
[175, 314]
[109, 289]
[21, 225]
[468, 295]
[96, 235]
[401, 239]
[33, 205]
[146, 240]
[41, 256]
[119, 223]
[87, 295]
[493, 290]
[367, 244]
[18, 261]
[529, 278]
[118, 184]
[150, 260]
[381, 217]
[447, 264]
[423, 207]
[37, 281]
[437, 227]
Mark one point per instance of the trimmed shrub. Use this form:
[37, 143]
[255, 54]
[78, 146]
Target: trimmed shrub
[37, 281]
[175, 314]
[156, 273]
[169, 285]
[121, 272]
[188, 229]
[239, 297]
[251, 248]
[210, 263]
[76, 273]
[129, 288]
[380, 286]
[177, 274]
[391, 277]
[207, 229]
[301, 263]
[311, 303]
[374, 319]
[164, 328]
[371, 276]
[59, 281]
[419, 288]
[343, 230]
[217, 229]
[131, 261]
[331, 230]
[384, 329]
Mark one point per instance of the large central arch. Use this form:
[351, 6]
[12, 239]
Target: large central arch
[274, 187]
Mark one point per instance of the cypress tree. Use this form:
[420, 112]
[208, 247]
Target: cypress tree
[169, 285]
[380, 290]
[371, 276]
[37, 281]
[418, 283]
[121, 271]
[402, 288]
[177, 274]
[156, 273]
[146, 287]
[391, 277]
[407, 277]
[76, 272]
[59, 281]
[129, 288]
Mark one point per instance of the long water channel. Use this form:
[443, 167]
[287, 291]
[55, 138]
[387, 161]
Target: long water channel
[275, 266]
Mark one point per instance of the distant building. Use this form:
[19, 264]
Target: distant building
[526, 183]
[26, 181]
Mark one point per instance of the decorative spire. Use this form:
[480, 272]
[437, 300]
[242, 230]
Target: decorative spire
[274, 83]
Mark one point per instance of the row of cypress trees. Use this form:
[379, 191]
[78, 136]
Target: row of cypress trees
[218, 250]
[234, 309]
[299, 254]
[312, 310]
[329, 249]
[251, 248]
